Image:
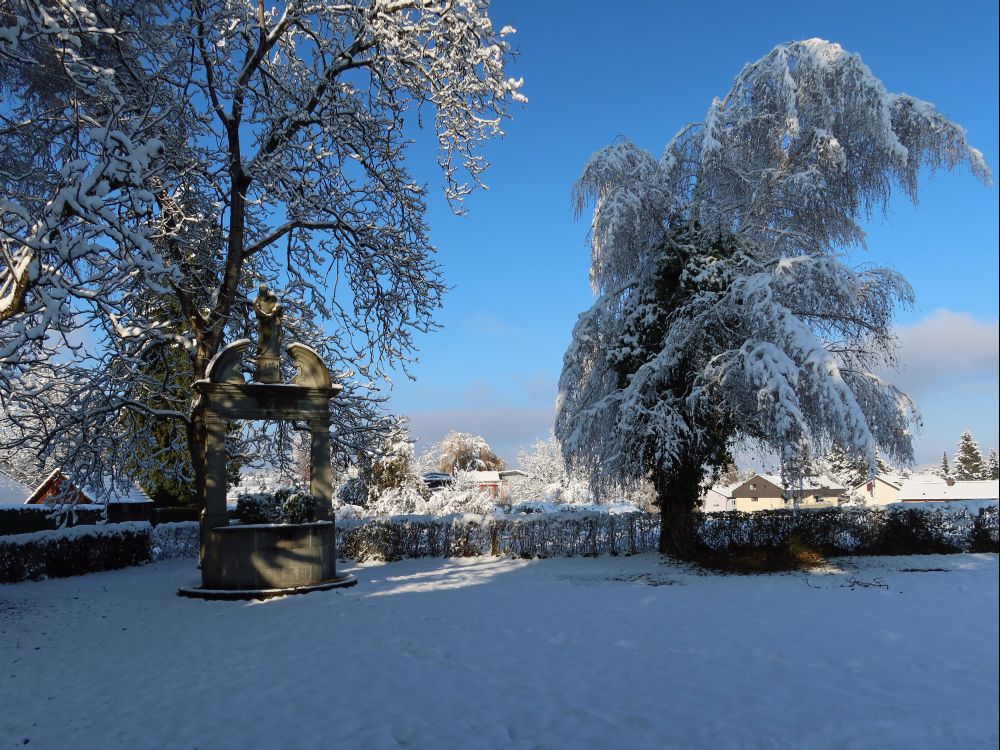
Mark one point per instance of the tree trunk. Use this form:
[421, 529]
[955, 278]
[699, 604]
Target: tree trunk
[677, 493]
[197, 432]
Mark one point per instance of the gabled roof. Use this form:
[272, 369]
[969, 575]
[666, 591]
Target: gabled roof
[11, 490]
[893, 480]
[90, 494]
[809, 484]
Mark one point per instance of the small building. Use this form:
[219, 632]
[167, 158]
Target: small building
[767, 492]
[132, 504]
[12, 492]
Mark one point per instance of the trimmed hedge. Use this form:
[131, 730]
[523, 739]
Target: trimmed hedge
[866, 531]
[24, 519]
[70, 552]
[863, 531]
[893, 530]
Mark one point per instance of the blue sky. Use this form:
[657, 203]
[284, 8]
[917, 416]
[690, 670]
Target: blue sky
[518, 261]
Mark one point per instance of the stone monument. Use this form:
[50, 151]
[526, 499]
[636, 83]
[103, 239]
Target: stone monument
[260, 560]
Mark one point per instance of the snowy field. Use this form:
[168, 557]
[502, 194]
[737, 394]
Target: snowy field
[897, 652]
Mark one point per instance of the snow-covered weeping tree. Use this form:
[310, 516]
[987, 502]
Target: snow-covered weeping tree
[161, 158]
[725, 312]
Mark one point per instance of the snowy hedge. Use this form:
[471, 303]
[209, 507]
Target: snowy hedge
[868, 531]
[893, 530]
[69, 552]
[862, 531]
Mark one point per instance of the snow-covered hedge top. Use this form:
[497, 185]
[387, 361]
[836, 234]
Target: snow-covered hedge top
[76, 532]
[50, 508]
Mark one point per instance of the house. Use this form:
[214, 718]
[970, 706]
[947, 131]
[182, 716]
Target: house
[767, 492]
[915, 490]
[718, 499]
[12, 492]
[485, 481]
[882, 490]
[132, 504]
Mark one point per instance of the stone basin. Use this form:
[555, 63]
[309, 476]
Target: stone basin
[259, 560]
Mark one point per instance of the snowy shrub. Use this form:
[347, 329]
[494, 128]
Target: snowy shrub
[346, 511]
[352, 492]
[257, 507]
[296, 506]
[399, 501]
[287, 505]
[170, 540]
[984, 534]
[74, 551]
[460, 500]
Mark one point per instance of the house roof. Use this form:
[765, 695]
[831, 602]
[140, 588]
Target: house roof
[11, 490]
[513, 473]
[918, 491]
[724, 491]
[809, 484]
[92, 494]
[482, 477]
[893, 480]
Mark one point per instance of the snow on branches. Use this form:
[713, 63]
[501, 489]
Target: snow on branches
[725, 314]
[162, 158]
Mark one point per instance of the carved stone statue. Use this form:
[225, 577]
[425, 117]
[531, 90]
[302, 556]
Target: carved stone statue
[269, 312]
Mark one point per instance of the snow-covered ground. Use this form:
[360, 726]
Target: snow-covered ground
[895, 652]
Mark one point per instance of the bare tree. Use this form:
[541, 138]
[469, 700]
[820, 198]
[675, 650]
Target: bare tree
[177, 153]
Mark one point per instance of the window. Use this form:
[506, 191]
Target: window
[754, 499]
[753, 487]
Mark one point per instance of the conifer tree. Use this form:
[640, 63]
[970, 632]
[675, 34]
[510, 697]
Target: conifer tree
[992, 466]
[944, 470]
[968, 459]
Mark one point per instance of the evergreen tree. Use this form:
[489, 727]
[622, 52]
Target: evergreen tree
[968, 459]
[992, 466]
[944, 470]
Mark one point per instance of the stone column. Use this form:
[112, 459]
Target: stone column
[321, 473]
[215, 473]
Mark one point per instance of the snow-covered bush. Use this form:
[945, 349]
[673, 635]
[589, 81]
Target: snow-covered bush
[399, 501]
[170, 540]
[287, 505]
